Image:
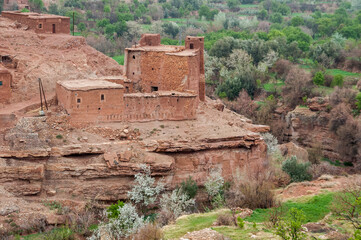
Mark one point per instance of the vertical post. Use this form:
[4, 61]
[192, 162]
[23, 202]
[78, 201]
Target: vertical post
[73, 22]
[41, 98]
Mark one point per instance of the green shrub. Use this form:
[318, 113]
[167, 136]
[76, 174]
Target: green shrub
[59, 234]
[358, 101]
[319, 79]
[189, 187]
[298, 172]
[240, 222]
[113, 210]
[337, 81]
[222, 95]
[291, 227]
[59, 136]
[25, 10]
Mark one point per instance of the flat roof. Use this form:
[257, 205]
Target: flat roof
[184, 53]
[87, 84]
[35, 15]
[120, 77]
[159, 48]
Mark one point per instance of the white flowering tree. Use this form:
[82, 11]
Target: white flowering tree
[145, 190]
[176, 203]
[214, 183]
[127, 223]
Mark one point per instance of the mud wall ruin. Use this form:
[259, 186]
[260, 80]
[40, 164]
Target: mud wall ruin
[40, 23]
[162, 106]
[12, 4]
[5, 85]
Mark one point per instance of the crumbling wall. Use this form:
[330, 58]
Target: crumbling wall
[148, 107]
[5, 85]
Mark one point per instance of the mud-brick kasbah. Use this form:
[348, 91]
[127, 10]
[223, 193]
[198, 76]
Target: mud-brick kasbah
[77, 126]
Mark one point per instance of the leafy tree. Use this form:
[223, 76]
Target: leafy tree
[171, 28]
[73, 3]
[36, 5]
[297, 21]
[296, 34]
[223, 47]
[319, 79]
[53, 9]
[103, 23]
[239, 74]
[126, 223]
[145, 191]
[262, 15]
[232, 4]
[291, 226]
[298, 172]
[81, 27]
[276, 18]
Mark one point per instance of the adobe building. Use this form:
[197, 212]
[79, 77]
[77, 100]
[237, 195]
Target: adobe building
[91, 100]
[156, 67]
[160, 83]
[40, 23]
[5, 85]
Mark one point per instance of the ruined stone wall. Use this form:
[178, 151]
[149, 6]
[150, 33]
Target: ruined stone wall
[148, 107]
[9, 4]
[5, 86]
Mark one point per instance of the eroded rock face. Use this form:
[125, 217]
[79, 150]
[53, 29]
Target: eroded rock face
[310, 129]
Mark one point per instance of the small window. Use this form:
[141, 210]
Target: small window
[102, 97]
[1, 83]
[99, 108]
[191, 46]
[153, 69]
[127, 89]
[133, 56]
[40, 25]
[78, 100]
[154, 89]
[133, 73]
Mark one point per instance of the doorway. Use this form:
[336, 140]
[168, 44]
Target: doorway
[54, 28]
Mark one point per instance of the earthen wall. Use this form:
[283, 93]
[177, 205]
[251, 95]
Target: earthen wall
[92, 105]
[5, 86]
[141, 107]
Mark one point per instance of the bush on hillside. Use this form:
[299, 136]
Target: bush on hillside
[328, 80]
[337, 81]
[189, 187]
[298, 172]
[297, 85]
[339, 116]
[343, 95]
[349, 140]
[319, 79]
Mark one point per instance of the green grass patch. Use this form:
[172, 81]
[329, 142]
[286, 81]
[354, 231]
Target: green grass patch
[334, 72]
[119, 59]
[273, 87]
[190, 223]
[314, 208]
[248, 6]
[56, 233]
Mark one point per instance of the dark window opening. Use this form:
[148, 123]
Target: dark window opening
[1, 83]
[6, 59]
[98, 108]
[133, 73]
[152, 68]
[102, 97]
[127, 89]
[154, 89]
[133, 57]
[78, 100]
[40, 25]
[191, 46]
